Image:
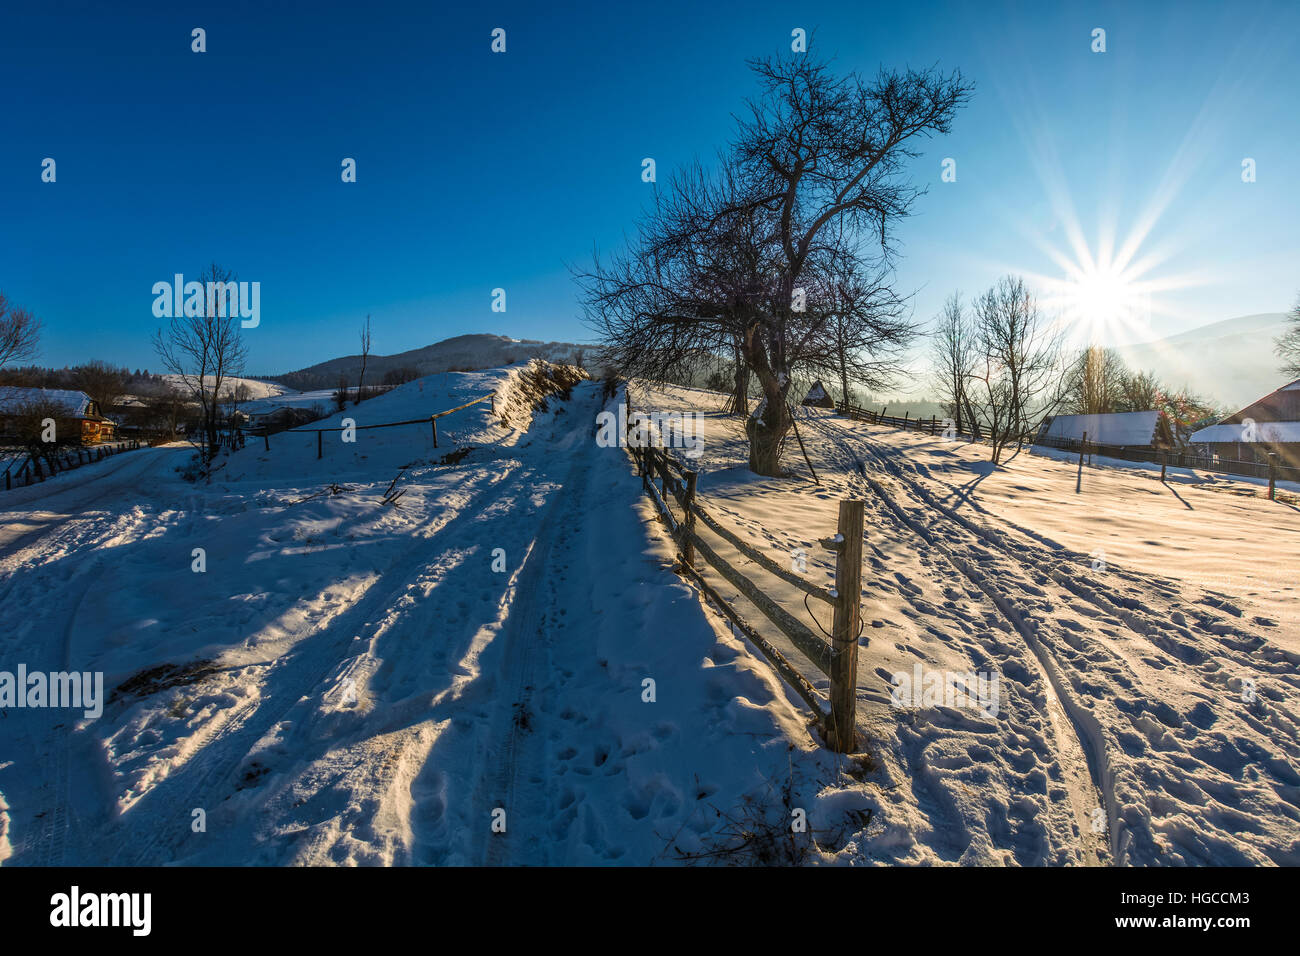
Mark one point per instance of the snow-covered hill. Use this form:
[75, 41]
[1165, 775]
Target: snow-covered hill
[461, 353]
[1231, 362]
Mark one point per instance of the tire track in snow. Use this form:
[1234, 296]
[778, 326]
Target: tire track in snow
[1079, 749]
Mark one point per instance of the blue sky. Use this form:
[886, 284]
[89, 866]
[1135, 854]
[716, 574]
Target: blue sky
[479, 170]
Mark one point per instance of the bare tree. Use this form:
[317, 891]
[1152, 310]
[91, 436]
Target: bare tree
[104, 384]
[20, 333]
[203, 351]
[365, 354]
[1288, 345]
[1019, 364]
[757, 256]
[1096, 382]
[955, 352]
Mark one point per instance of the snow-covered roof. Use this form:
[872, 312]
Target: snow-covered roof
[1283, 432]
[76, 404]
[1119, 428]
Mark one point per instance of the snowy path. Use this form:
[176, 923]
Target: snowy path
[349, 683]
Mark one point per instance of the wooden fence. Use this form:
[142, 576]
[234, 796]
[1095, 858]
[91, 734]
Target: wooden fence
[265, 433]
[32, 469]
[838, 659]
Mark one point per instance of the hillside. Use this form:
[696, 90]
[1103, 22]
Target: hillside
[461, 353]
[1231, 361]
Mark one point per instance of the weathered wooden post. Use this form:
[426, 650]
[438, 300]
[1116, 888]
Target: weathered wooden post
[494, 403]
[1164, 464]
[844, 632]
[688, 520]
[266, 437]
[434, 422]
[1078, 482]
[646, 464]
[905, 414]
[320, 444]
[1272, 476]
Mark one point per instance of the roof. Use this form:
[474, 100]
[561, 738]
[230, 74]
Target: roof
[1282, 405]
[1282, 432]
[1118, 428]
[76, 404]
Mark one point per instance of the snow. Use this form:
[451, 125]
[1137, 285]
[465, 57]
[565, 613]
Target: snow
[1288, 432]
[74, 402]
[1119, 428]
[352, 683]
[257, 388]
[1146, 638]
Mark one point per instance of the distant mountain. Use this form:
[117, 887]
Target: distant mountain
[461, 353]
[1231, 362]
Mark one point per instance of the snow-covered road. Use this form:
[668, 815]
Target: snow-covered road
[345, 682]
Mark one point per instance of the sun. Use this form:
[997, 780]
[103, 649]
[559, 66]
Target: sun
[1100, 301]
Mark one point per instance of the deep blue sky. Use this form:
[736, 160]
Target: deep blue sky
[479, 170]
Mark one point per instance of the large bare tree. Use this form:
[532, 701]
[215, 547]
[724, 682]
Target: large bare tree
[757, 257]
[20, 333]
[203, 351]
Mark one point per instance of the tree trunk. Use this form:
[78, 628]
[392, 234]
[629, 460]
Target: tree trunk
[740, 394]
[766, 430]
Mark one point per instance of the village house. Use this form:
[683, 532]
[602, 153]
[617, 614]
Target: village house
[68, 404]
[1269, 426]
[1127, 430]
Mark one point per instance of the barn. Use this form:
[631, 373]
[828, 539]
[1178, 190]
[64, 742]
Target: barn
[1136, 430]
[818, 397]
[74, 405]
[1269, 426]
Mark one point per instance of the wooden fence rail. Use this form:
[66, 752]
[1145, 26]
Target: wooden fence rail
[265, 433]
[32, 469]
[838, 658]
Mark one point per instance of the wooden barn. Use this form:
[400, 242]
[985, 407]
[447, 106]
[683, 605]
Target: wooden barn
[16, 403]
[818, 397]
[1270, 425]
[1135, 430]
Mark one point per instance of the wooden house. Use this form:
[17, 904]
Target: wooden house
[61, 403]
[1270, 425]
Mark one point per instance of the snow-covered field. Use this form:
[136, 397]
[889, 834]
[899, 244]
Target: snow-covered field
[348, 682]
[257, 388]
[1146, 640]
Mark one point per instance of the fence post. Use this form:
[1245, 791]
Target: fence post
[320, 445]
[844, 633]
[905, 414]
[266, 437]
[494, 403]
[1078, 482]
[1272, 476]
[646, 464]
[688, 520]
[434, 422]
[1164, 463]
